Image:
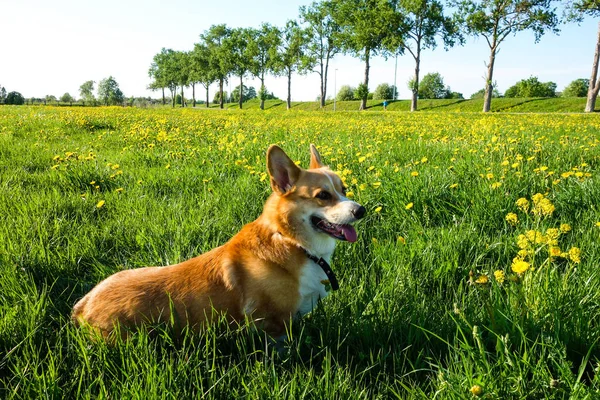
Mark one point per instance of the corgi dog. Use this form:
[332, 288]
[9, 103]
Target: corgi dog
[275, 268]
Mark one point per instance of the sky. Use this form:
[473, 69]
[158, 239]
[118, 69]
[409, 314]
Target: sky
[55, 46]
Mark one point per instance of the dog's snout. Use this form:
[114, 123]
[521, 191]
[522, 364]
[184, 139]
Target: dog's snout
[359, 212]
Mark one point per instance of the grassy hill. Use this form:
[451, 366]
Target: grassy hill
[520, 105]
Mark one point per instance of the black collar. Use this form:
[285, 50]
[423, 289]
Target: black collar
[325, 267]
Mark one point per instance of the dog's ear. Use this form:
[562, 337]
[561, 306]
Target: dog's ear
[315, 157]
[283, 171]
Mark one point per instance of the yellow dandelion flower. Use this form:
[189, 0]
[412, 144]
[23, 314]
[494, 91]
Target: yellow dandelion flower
[409, 206]
[489, 175]
[554, 251]
[520, 266]
[476, 390]
[350, 195]
[598, 224]
[512, 219]
[414, 173]
[564, 228]
[363, 186]
[454, 185]
[522, 242]
[374, 240]
[496, 185]
[523, 204]
[376, 184]
[483, 279]
[499, 275]
[553, 233]
[378, 209]
[100, 204]
[575, 255]
[401, 240]
[119, 190]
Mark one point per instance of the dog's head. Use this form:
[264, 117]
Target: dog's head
[311, 203]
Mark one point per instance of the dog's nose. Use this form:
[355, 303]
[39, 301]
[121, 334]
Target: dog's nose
[359, 212]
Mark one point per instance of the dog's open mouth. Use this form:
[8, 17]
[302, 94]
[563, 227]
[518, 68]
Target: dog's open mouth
[338, 231]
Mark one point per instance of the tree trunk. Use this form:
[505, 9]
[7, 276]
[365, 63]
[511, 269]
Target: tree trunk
[322, 99]
[415, 88]
[363, 103]
[241, 91]
[182, 99]
[262, 91]
[594, 85]
[324, 91]
[194, 95]
[207, 98]
[163, 93]
[221, 93]
[289, 96]
[489, 83]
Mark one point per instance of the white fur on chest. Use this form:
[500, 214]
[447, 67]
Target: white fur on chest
[311, 287]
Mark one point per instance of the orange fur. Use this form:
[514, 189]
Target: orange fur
[255, 274]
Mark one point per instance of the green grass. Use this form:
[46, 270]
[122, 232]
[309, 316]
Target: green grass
[408, 321]
[518, 105]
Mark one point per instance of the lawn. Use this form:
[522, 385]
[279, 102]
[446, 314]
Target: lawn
[475, 272]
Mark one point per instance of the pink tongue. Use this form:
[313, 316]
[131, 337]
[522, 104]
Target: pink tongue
[349, 233]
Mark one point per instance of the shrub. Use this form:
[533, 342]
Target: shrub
[345, 93]
[577, 88]
[14, 98]
[531, 87]
[385, 92]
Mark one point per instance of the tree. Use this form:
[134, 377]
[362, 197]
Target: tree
[217, 97]
[109, 92]
[432, 87]
[423, 22]
[263, 49]
[495, 20]
[2, 94]
[575, 11]
[220, 59]
[14, 98]
[531, 87]
[248, 93]
[291, 55]
[385, 92]
[182, 62]
[345, 93]
[158, 71]
[201, 70]
[368, 28]
[577, 88]
[323, 40]
[50, 98]
[67, 98]
[86, 91]
[238, 44]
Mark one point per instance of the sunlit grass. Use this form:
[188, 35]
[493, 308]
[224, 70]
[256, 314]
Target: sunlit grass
[87, 192]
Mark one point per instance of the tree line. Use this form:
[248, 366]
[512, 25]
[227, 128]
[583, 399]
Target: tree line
[363, 29]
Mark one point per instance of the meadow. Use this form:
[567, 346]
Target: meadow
[475, 274]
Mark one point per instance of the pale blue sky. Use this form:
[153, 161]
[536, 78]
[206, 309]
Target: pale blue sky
[52, 47]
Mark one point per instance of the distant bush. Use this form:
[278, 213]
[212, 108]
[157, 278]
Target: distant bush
[531, 87]
[345, 93]
[14, 98]
[361, 91]
[432, 87]
[480, 93]
[385, 92]
[577, 88]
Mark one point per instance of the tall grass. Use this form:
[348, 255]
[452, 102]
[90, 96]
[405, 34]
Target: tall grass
[410, 319]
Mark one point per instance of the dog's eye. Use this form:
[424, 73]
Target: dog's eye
[323, 195]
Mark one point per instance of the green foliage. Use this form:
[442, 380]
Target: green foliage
[345, 93]
[2, 94]
[14, 98]
[480, 93]
[385, 92]
[577, 88]
[361, 92]
[109, 92]
[86, 91]
[531, 87]
[67, 98]
[248, 93]
[217, 97]
[432, 87]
